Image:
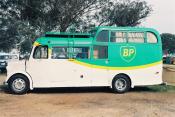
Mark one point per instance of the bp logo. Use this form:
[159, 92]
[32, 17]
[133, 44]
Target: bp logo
[128, 53]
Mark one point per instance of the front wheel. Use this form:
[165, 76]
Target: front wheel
[121, 84]
[19, 84]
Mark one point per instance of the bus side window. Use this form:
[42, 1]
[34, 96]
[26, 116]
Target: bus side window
[103, 36]
[118, 37]
[136, 37]
[151, 38]
[59, 53]
[81, 52]
[40, 52]
[100, 52]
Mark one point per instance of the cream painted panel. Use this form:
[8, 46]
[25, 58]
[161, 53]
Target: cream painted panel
[143, 76]
[58, 73]
[39, 70]
[68, 74]
[100, 77]
[82, 74]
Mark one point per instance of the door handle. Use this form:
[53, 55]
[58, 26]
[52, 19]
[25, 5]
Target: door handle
[107, 61]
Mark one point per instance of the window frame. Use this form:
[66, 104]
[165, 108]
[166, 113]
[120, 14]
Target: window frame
[127, 39]
[36, 47]
[89, 53]
[154, 35]
[97, 34]
[101, 46]
[144, 34]
[123, 31]
[68, 53]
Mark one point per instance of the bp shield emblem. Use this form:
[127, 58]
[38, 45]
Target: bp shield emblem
[128, 53]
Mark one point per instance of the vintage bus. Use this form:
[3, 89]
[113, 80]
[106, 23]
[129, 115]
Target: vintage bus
[117, 57]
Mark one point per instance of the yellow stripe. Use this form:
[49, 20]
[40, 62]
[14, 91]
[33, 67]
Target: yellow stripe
[115, 68]
[50, 51]
[36, 43]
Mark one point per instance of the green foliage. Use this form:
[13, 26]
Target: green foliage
[26, 46]
[168, 41]
[22, 20]
[124, 13]
[28, 19]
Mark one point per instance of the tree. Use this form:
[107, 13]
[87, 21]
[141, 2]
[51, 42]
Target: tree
[124, 13]
[31, 18]
[25, 46]
[168, 42]
[12, 29]
[28, 19]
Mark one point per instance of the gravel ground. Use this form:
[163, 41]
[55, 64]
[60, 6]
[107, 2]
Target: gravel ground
[86, 102]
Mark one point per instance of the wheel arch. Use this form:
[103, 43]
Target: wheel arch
[23, 74]
[123, 74]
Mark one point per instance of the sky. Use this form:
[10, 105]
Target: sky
[163, 16]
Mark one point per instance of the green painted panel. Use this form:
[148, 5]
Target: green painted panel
[119, 54]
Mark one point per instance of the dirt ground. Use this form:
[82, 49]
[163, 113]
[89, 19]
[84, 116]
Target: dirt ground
[86, 102]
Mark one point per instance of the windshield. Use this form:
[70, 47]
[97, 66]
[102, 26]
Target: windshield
[4, 57]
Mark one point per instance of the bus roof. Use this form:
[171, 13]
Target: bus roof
[66, 33]
[125, 28]
[57, 38]
[83, 38]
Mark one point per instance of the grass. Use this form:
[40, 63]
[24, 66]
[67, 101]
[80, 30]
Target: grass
[162, 88]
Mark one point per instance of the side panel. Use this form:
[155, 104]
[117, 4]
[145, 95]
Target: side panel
[142, 76]
[39, 71]
[63, 73]
[143, 54]
[150, 74]
[92, 73]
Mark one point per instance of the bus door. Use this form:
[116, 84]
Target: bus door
[66, 70]
[100, 65]
[62, 71]
[38, 66]
[100, 59]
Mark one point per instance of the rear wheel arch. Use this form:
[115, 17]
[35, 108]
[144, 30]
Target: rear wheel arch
[123, 74]
[124, 83]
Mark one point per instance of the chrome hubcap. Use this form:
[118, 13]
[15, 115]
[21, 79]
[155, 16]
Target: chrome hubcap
[120, 84]
[18, 84]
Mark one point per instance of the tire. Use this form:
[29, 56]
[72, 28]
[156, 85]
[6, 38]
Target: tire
[121, 84]
[18, 84]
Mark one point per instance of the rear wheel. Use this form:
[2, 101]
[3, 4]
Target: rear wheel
[19, 84]
[121, 84]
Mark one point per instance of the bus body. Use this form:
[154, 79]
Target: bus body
[99, 58]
